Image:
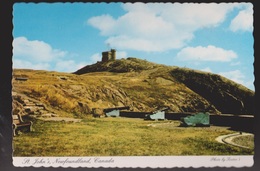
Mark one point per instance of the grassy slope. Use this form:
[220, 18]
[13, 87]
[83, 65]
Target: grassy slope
[142, 85]
[226, 95]
[247, 141]
[191, 89]
[121, 137]
[141, 89]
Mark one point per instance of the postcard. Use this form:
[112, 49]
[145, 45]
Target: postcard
[133, 85]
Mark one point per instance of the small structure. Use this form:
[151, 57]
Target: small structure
[114, 112]
[109, 55]
[63, 78]
[157, 115]
[21, 79]
[199, 119]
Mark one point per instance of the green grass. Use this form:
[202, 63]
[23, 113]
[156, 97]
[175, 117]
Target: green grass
[247, 141]
[121, 137]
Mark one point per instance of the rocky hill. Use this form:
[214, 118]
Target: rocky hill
[119, 66]
[139, 84]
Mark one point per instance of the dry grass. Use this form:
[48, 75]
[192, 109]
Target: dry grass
[142, 90]
[63, 91]
[142, 85]
[121, 137]
[247, 141]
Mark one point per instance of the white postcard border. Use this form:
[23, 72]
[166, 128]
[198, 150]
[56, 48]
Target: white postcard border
[136, 161]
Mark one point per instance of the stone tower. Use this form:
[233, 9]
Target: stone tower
[109, 55]
[113, 54]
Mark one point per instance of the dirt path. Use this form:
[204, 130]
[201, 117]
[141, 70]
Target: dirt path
[228, 139]
[61, 119]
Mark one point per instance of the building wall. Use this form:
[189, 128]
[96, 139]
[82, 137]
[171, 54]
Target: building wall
[106, 56]
[109, 55]
[158, 115]
[113, 54]
[113, 113]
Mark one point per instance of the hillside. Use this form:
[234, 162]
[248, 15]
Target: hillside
[142, 85]
[119, 66]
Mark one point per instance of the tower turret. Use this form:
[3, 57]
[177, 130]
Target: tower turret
[109, 55]
[113, 54]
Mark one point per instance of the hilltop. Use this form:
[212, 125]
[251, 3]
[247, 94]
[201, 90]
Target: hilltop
[120, 66]
[142, 85]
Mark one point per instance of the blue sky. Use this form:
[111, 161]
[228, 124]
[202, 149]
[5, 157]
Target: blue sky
[64, 37]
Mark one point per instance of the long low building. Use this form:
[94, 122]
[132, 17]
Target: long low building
[235, 122]
[114, 112]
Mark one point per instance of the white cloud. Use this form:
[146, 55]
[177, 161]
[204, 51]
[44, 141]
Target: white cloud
[209, 53]
[61, 66]
[155, 27]
[193, 16]
[121, 54]
[35, 54]
[96, 57]
[29, 65]
[235, 75]
[244, 20]
[207, 69]
[68, 66]
[35, 50]
[235, 63]
[107, 25]
[239, 77]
